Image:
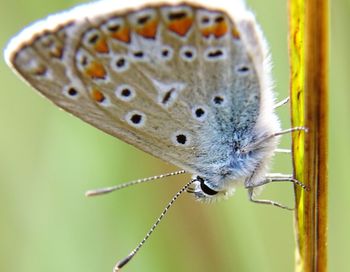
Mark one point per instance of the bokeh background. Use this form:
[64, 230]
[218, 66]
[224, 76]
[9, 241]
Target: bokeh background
[48, 159]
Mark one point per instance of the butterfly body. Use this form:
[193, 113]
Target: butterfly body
[187, 84]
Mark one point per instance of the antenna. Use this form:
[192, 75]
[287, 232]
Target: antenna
[127, 259]
[107, 190]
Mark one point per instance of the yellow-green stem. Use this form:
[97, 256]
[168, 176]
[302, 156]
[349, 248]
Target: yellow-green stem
[309, 106]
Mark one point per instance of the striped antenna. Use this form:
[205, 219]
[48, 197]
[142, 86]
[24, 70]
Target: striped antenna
[107, 190]
[127, 259]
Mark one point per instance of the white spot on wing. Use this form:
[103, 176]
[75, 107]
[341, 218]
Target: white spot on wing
[120, 63]
[135, 118]
[215, 53]
[199, 113]
[125, 92]
[168, 92]
[188, 53]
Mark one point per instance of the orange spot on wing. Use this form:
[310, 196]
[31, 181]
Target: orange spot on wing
[180, 26]
[101, 46]
[149, 30]
[96, 70]
[218, 30]
[122, 34]
[235, 33]
[97, 95]
[206, 32]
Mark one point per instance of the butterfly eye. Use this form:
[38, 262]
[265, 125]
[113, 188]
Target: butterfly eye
[207, 190]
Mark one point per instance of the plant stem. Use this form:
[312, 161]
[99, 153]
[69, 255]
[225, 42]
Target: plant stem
[309, 82]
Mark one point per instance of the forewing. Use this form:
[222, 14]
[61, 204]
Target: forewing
[174, 81]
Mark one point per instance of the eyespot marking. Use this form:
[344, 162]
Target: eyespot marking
[188, 53]
[219, 19]
[181, 138]
[167, 96]
[143, 19]
[199, 113]
[167, 92]
[94, 39]
[138, 54]
[120, 64]
[218, 100]
[71, 92]
[135, 118]
[243, 69]
[166, 53]
[205, 20]
[113, 28]
[213, 54]
[125, 93]
[145, 23]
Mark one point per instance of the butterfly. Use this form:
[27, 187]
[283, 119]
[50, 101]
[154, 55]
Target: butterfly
[188, 84]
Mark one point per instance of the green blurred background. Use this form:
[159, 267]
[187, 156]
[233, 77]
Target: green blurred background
[48, 159]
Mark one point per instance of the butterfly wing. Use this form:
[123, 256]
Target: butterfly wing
[175, 81]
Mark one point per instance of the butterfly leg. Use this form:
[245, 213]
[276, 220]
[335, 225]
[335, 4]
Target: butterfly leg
[281, 178]
[265, 201]
[256, 144]
[281, 103]
[273, 178]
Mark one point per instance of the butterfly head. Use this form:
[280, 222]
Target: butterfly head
[203, 191]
